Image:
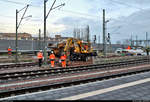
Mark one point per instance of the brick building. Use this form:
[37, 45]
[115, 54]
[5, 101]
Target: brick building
[57, 38]
[12, 36]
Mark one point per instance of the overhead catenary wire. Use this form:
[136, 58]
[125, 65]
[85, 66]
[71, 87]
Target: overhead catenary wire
[7, 16]
[18, 3]
[118, 2]
[13, 2]
[125, 4]
[69, 11]
[79, 13]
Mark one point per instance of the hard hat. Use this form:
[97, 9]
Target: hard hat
[40, 50]
[52, 51]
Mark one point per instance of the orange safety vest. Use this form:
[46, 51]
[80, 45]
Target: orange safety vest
[86, 47]
[129, 48]
[9, 49]
[40, 55]
[52, 56]
[63, 58]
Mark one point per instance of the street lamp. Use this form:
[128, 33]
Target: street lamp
[17, 26]
[45, 17]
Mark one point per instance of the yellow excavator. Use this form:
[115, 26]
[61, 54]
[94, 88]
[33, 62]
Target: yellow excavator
[75, 49]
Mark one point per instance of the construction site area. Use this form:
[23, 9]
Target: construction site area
[71, 55]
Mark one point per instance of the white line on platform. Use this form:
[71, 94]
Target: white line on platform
[101, 91]
[42, 92]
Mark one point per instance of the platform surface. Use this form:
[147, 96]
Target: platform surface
[133, 87]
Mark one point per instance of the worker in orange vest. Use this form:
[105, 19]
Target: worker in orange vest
[86, 47]
[129, 48]
[52, 59]
[40, 57]
[9, 51]
[63, 60]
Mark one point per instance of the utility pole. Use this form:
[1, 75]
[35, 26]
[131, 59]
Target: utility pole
[16, 35]
[104, 38]
[99, 42]
[39, 39]
[146, 39]
[136, 41]
[45, 17]
[17, 26]
[131, 40]
[95, 39]
[88, 33]
[45, 57]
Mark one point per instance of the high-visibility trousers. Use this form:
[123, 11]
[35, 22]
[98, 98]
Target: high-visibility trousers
[9, 52]
[63, 64]
[52, 63]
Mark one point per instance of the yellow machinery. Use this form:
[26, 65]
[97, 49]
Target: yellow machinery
[75, 49]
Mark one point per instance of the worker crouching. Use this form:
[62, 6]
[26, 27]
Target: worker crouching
[40, 58]
[63, 60]
[52, 59]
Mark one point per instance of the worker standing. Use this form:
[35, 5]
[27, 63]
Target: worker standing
[63, 60]
[40, 58]
[52, 59]
[86, 47]
[147, 51]
[9, 51]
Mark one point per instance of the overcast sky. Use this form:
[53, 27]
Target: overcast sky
[126, 17]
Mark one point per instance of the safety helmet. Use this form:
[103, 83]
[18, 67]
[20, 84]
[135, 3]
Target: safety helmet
[40, 50]
[52, 52]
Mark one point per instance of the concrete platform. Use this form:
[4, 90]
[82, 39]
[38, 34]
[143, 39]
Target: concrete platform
[133, 87]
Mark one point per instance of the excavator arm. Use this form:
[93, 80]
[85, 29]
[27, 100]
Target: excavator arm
[68, 44]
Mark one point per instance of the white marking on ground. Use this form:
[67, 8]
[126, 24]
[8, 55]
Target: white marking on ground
[42, 92]
[101, 91]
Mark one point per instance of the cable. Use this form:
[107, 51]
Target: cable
[13, 2]
[7, 16]
[68, 11]
[79, 13]
[118, 2]
[18, 3]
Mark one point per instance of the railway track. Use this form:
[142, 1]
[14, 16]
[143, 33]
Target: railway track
[65, 83]
[14, 65]
[8, 66]
[119, 69]
[22, 75]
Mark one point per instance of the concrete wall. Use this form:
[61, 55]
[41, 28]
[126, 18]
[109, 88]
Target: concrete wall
[22, 44]
[35, 45]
